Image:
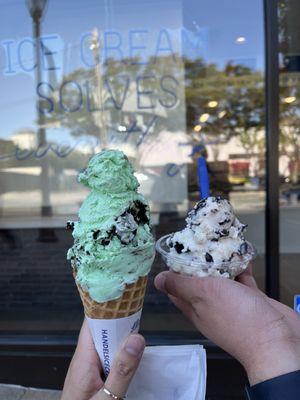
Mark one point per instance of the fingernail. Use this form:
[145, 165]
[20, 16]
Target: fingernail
[135, 345]
[160, 282]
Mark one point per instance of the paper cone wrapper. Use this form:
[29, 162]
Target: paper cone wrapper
[111, 322]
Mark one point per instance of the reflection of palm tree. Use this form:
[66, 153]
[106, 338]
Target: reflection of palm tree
[36, 9]
[96, 47]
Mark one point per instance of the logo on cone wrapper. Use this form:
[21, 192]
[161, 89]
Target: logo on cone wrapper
[136, 326]
[108, 334]
[105, 350]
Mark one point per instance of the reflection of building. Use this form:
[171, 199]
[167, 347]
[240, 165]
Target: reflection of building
[6, 146]
[248, 161]
[243, 163]
[239, 168]
[24, 139]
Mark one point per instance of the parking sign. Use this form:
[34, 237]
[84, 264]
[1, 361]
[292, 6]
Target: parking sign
[297, 303]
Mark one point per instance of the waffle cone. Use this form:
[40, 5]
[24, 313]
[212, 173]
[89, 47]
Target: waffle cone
[129, 303]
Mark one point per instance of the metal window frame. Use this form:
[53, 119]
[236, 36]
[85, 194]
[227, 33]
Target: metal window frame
[272, 261]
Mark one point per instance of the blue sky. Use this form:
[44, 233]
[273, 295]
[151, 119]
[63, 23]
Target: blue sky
[217, 22]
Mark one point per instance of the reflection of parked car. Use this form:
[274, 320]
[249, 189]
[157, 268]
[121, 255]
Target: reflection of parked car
[295, 191]
[238, 170]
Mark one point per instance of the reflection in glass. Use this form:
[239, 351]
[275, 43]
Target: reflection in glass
[289, 161]
[180, 85]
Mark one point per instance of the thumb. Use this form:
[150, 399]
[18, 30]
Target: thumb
[123, 368]
[246, 278]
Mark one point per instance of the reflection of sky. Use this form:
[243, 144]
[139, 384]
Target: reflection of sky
[210, 30]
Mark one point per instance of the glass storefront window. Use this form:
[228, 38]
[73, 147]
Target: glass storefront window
[165, 81]
[289, 160]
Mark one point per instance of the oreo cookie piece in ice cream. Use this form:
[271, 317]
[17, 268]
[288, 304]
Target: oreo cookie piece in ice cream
[126, 227]
[213, 238]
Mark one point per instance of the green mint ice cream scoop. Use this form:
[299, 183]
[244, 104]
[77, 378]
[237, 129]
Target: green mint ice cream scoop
[113, 245]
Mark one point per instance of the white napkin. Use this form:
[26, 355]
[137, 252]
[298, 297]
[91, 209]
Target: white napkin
[170, 372]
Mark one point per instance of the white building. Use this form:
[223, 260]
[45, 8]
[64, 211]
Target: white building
[25, 139]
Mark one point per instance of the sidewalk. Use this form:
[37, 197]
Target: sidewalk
[12, 392]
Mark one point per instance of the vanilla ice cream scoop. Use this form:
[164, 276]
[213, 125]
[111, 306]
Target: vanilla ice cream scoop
[212, 244]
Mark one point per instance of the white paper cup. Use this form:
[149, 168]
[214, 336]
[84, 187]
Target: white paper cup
[190, 265]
